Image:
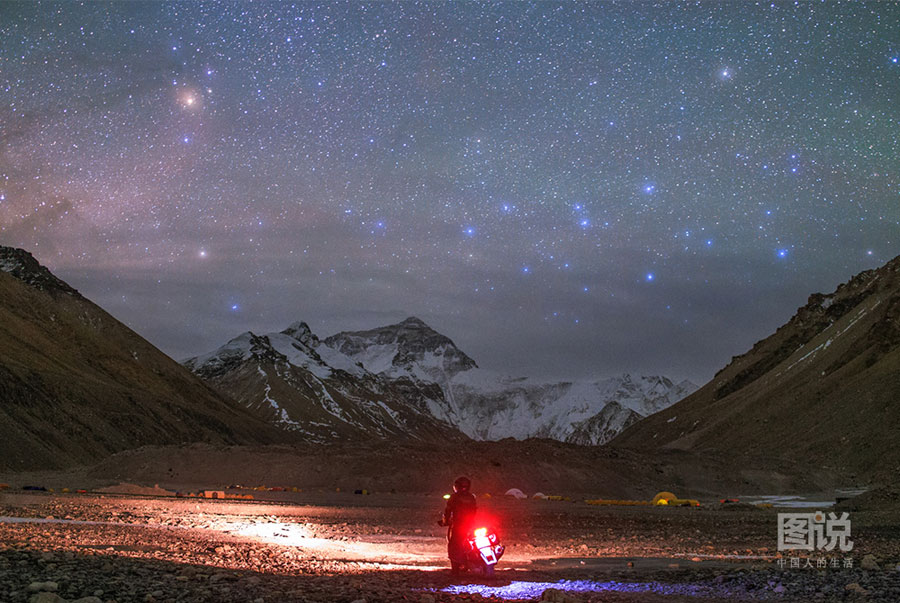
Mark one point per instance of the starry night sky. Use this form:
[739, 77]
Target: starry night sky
[563, 189]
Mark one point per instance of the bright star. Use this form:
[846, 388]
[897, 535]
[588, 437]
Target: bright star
[202, 253]
[782, 253]
[650, 276]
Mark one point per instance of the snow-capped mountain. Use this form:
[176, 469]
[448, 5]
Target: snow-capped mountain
[409, 379]
[491, 406]
[408, 349]
[488, 406]
[292, 380]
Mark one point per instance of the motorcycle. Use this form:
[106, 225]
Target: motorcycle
[482, 550]
[485, 550]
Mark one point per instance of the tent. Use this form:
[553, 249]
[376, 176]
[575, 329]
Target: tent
[515, 493]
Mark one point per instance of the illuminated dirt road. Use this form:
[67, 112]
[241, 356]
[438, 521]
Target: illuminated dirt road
[339, 547]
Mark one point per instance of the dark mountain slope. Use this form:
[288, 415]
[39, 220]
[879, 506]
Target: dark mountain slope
[824, 389]
[77, 385]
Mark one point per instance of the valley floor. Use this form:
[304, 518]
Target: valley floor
[339, 547]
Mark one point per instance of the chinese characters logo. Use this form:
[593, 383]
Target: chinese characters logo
[814, 531]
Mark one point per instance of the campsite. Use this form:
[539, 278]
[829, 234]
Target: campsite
[125, 542]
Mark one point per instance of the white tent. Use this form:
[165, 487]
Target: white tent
[515, 493]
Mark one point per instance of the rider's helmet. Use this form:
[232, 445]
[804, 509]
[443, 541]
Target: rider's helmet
[462, 484]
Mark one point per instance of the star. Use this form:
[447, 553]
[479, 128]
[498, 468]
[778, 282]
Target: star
[536, 170]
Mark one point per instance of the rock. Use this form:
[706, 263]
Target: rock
[42, 586]
[88, 600]
[426, 599]
[221, 577]
[869, 562]
[46, 597]
[553, 595]
[359, 601]
[779, 589]
[854, 587]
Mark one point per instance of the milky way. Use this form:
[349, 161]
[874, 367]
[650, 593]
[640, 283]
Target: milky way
[563, 189]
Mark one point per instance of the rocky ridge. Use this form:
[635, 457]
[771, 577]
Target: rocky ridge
[821, 389]
[411, 362]
[290, 379]
[77, 385]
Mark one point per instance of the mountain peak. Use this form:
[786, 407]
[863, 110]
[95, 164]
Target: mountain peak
[22, 265]
[410, 347]
[301, 332]
[414, 321]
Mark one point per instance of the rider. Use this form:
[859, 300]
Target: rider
[458, 517]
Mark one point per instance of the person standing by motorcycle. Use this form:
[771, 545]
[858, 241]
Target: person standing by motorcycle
[459, 516]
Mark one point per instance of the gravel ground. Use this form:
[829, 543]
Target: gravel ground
[345, 548]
